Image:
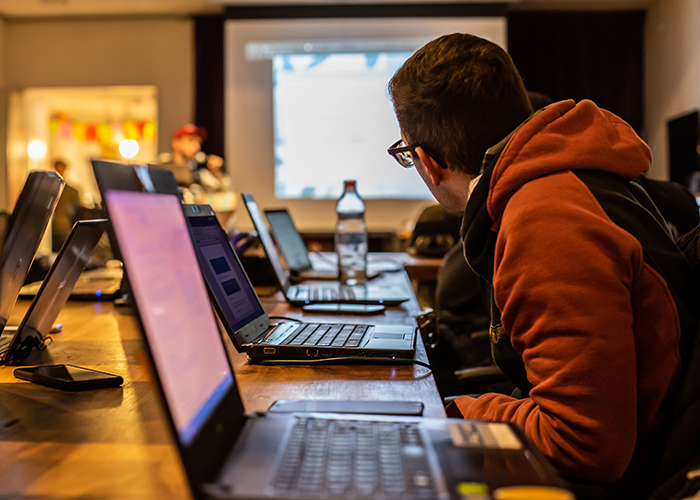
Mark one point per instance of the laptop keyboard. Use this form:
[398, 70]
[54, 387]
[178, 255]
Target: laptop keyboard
[317, 293]
[327, 335]
[354, 459]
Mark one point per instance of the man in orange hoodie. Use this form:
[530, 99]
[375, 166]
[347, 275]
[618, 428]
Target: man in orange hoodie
[589, 292]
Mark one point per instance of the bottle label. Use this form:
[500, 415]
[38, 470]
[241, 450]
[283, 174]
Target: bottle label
[351, 238]
[350, 215]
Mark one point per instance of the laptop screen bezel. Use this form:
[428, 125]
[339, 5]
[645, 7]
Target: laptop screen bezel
[206, 453]
[255, 327]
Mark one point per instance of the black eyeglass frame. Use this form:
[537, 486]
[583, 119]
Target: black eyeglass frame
[395, 150]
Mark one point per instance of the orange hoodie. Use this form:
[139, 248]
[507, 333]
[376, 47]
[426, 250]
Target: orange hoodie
[588, 284]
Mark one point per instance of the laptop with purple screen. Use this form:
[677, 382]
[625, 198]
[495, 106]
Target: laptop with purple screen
[228, 454]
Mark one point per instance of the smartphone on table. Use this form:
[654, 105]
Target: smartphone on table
[343, 308]
[68, 377]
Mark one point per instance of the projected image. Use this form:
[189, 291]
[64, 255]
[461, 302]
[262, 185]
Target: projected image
[333, 121]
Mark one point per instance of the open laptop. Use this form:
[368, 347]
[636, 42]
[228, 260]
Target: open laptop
[228, 454]
[27, 225]
[147, 178]
[250, 328]
[374, 292]
[101, 283]
[53, 292]
[299, 260]
[127, 177]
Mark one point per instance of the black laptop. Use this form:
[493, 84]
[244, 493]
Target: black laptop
[228, 454]
[53, 291]
[27, 225]
[373, 292]
[250, 327]
[147, 178]
[298, 259]
[129, 177]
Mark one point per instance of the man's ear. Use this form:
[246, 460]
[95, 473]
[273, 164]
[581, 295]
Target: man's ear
[435, 171]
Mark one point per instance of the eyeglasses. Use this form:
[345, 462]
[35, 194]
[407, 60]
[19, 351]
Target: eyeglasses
[403, 154]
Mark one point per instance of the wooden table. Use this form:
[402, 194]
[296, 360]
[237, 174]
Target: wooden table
[115, 443]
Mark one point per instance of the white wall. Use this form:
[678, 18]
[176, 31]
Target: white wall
[156, 51]
[672, 71]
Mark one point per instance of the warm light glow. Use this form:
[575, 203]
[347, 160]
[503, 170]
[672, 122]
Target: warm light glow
[36, 149]
[128, 148]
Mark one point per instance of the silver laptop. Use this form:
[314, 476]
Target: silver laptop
[373, 292]
[250, 328]
[17, 344]
[313, 266]
[27, 225]
[228, 454]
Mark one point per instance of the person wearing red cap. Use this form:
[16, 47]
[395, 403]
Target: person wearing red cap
[187, 159]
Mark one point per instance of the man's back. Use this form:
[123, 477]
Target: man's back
[591, 292]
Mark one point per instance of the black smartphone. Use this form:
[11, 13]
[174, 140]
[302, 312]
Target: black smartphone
[367, 309]
[68, 377]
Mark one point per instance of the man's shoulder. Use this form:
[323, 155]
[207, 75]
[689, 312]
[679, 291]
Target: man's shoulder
[550, 192]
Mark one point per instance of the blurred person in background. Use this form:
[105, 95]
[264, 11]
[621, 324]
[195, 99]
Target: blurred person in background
[190, 164]
[201, 175]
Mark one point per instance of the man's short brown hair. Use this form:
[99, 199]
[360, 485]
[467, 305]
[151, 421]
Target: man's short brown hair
[456, 97]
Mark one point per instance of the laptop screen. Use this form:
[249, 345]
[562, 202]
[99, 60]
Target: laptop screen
[173, 304]
[266, 240]
[288, 239]
[57, 286]
[27, 226]
[228, 282]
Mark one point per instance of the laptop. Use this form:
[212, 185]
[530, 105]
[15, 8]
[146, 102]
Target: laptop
[298, 259]
[374, 292]
[148, 178]
[27, 225]
[53, 292]
[228, 454]
[250, 328]
[114, 175]
[102, 283]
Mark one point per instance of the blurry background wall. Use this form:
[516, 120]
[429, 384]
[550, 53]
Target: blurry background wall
[159, 51]
[97, 52]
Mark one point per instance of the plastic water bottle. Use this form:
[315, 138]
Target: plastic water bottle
[351, 237]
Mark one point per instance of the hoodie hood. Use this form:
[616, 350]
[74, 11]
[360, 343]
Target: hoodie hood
[566, 136]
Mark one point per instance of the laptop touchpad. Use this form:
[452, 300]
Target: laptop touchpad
[388, 336]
